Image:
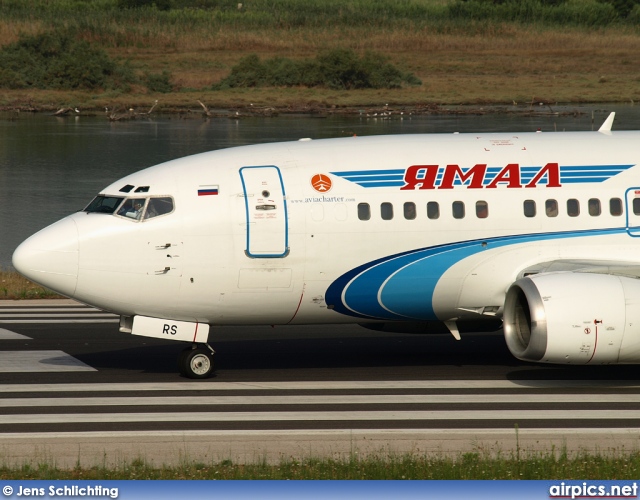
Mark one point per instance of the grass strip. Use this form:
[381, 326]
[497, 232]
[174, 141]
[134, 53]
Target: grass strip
[555, 464]
[14, 286]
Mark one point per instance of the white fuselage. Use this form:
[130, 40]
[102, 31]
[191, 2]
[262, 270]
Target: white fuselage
[279, 233]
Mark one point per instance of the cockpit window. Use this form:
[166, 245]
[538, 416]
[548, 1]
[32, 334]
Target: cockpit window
[103, 204]
[159, 206]
[132, 208]
[145, 208]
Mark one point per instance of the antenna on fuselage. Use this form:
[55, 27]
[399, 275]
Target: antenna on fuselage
[606, 126]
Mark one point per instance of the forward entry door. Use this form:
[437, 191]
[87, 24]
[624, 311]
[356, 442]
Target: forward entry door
[265, 204]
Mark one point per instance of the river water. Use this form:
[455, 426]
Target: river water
[52, 166]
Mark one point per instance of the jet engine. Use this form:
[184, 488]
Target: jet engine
[574, 318]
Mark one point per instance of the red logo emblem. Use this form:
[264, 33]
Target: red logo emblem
[321, 183]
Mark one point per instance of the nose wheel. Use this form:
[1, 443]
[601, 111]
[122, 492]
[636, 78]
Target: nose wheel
[196, 361]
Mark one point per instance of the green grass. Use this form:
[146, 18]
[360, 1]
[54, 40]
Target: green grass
[103, 21]
[13, 286]
[552, 465]
[469, 52]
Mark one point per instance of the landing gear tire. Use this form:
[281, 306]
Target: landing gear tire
[196, 362]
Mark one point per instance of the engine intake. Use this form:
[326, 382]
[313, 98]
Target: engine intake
[574, 318]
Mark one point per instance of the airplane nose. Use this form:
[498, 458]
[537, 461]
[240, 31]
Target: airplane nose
[50, 257]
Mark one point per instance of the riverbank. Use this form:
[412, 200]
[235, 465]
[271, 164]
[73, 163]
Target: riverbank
[515, 67]
[146, 106]
[274, 102]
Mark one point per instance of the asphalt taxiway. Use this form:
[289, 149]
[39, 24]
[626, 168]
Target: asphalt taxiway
[74, 389]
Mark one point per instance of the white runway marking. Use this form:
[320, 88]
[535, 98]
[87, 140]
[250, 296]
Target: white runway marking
[73, 310]
[40, 361]
[446, 433]
[378, 399]
[36, 361]
[319, 416]
[65, 313]
[70, 315]
[9, 335]
[324, 385]
[57, 321]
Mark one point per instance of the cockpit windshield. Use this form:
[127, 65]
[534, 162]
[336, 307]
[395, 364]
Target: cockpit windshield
[136, 208]
[103, 204]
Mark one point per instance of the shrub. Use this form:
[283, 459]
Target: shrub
[57, 60]
[159, 82]
[622, 7]
[342, 68]
[336, 69]
[249, 72]
[136, 4]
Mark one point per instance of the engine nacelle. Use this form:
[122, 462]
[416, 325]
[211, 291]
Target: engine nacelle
[574, 318]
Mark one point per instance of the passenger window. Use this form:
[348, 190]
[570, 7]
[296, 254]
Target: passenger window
[340, 211]
[433, 210]
[615, 206]
[573, 207]
[386, 211]
[636, 206]
[132, 208]
[364, 211]
[159, 206]
[482, 209]
[529, 207]
[551, 208]
[458, 209]
[409, 210]
[594, 207]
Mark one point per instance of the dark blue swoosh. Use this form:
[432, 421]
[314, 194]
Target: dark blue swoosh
[401, 286]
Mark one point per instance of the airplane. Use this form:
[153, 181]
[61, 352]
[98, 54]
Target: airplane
[537, 231]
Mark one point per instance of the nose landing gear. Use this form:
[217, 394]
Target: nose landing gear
[196, 361]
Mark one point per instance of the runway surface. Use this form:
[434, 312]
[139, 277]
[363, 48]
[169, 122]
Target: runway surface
[73, 389]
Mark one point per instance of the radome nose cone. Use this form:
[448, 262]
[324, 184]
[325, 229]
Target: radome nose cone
[50, 257]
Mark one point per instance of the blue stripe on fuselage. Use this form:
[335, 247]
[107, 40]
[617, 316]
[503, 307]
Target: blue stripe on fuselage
[401, 286]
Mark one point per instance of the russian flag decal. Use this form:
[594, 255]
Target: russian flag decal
[207, 190]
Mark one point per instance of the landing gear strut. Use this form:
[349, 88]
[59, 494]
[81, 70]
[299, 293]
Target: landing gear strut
[196, 361]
